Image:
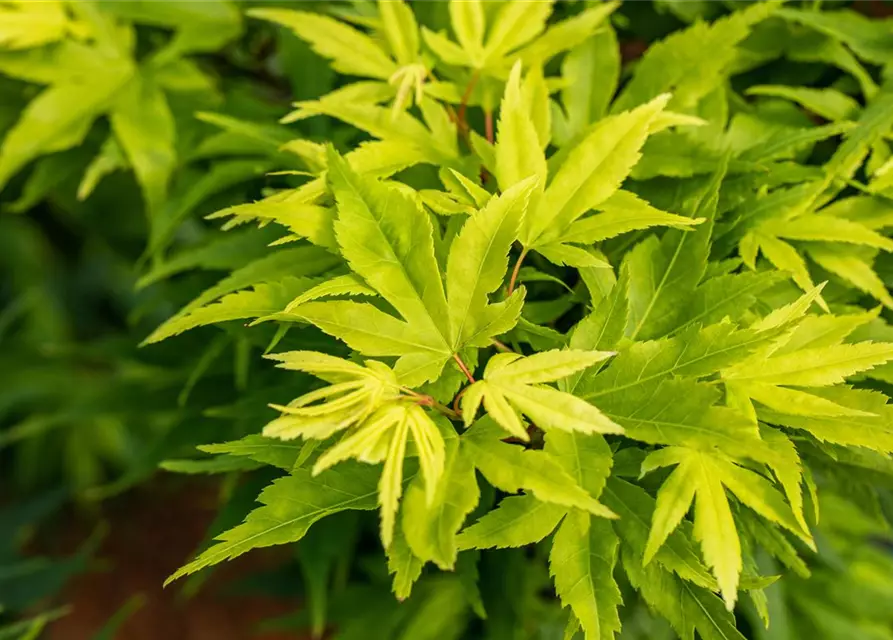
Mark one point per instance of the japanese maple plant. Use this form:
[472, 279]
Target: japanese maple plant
[619, 315]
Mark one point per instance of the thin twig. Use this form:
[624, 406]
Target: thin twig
[515, 271]
[463, 105]
[488, 125]
[456, 400]
[463, 367]
[428, 401]
[502, 346]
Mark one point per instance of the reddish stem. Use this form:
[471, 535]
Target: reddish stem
[463, 105]
[457, 399]
[488, 126]
[463, 367]
[515, 271]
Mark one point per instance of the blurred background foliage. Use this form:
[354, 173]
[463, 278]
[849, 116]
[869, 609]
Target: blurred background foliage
[124, 124]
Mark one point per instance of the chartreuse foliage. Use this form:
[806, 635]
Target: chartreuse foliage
[640, 325]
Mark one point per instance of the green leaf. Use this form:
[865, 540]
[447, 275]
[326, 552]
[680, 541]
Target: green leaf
[355, 393]
[827, 103]
[260, 301]
[650, 389]
[701, 476]
[518, 151]
[346, 285]
[636, 508]
[401, 30]
[61, 115]
[852, 269]
[261, 449]
[687, 607]
[586, 457]
[591, 172]
[714, 525]
[387, 240]
[511, 468]
[567, 34]
[431, 526]
[517, 521]
[591, 72]
[291, 505]
[479, 258]
[469, 23]
[582, 561]
[144, 127]
[285, 264]
[876, 120]
[32, 24]
[691, 62]
[515, 24]
[870, 431]
[813, 367]
[109, 159]
[514, 385]
[826, 229]
[663, 272]
[351, 51]
[407, 568]
[865, 37]
[621, 213]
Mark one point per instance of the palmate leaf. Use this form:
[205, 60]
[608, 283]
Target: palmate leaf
[517, 31]
[681, 63]
[78, 101]
[355, 392]
[388, 242]
[676, 584]
[513, 385]
[813, 355]
[703, 476]
[365, 401]
[588, 177]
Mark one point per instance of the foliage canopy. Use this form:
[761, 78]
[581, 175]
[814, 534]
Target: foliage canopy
[630, 317]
